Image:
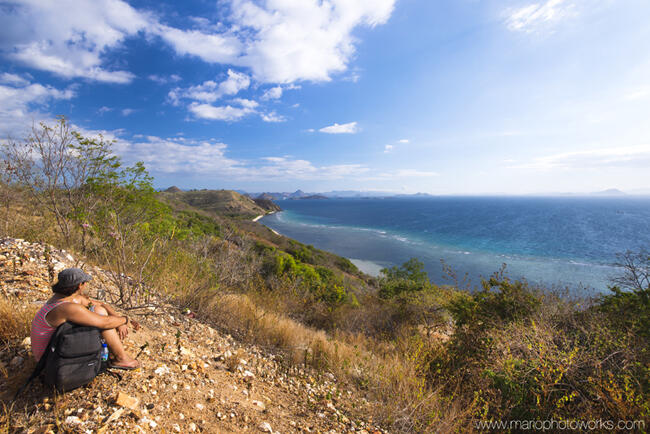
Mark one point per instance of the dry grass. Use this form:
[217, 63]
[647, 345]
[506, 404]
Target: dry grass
[15, 321]
[5, 418]
[395, 380]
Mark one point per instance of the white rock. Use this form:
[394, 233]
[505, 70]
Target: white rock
[162, 370]
[181, 416]
[192, 427]
[176, 428]
[265, 427]
[73, 420]
[200, 407]
[27, 342]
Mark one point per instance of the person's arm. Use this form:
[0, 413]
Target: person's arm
[106, 306]
[78, 314]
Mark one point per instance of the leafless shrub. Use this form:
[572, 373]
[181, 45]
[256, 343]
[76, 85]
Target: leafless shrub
[636, 270]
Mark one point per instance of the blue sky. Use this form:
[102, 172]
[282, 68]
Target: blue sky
[444, 97]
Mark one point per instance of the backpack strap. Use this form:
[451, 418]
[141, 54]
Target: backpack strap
[43, 360]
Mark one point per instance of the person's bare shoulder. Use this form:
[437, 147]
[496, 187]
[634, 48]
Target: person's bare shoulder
[62, 312]
[81, 300]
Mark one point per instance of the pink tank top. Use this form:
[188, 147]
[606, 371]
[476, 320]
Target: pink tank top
[41, 330]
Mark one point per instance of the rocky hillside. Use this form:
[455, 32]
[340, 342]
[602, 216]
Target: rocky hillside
[193, 378]
[267, 204]
[222, 202]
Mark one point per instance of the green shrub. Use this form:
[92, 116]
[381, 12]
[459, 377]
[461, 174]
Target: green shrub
[499, 301]
[409, 277]
[630, 309]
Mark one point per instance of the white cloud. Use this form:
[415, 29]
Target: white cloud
[186, 156]
[273, 93]
[234, 83]
[388, 148]
[280, 41]
[247, 103]
[641, 92]
[20, 100]
[211, 48]
[161, 79]
[625, 156]
[283, 41]
[128, 111]
[177, 155]
[272, 117]
[349, 128]
[220, 113]
[286, 168]
[104, 109]
[413, 173]
[276, 92]
[13, 79]
[69, 37]
[210, 91]
[403, 141]
[536, 16]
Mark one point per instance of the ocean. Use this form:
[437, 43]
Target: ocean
[557, 242]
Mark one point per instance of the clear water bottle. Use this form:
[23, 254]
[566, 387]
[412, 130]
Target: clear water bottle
[104, 351]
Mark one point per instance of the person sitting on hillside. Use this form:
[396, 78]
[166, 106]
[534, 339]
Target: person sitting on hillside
[69, 303]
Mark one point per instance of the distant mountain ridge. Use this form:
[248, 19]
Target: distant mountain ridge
[340, 194]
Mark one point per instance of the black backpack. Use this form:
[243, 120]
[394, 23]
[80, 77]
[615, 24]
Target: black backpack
[72, 358]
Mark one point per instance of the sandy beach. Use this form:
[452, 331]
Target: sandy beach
[262, 215]
[368, 267]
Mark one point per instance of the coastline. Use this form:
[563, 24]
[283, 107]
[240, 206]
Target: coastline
[371, 250]
[368, 267]
[262, 215]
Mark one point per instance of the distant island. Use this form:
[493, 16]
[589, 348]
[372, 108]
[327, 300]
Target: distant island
[346, 194]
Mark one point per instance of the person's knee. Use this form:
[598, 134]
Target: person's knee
[99, 310]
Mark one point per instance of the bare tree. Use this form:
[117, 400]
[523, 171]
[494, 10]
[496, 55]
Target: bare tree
[7, 192]
[54, 163]
[636, 271]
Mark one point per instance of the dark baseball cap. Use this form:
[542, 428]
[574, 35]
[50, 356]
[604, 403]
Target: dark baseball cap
[72, 277]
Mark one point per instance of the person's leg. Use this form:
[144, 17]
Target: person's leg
[115, 344]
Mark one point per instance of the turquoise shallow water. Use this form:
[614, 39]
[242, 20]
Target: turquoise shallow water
[566, 242]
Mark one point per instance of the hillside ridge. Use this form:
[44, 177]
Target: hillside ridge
[220, 202]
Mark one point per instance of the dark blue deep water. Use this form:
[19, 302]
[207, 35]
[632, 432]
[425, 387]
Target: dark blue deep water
[554, 241]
